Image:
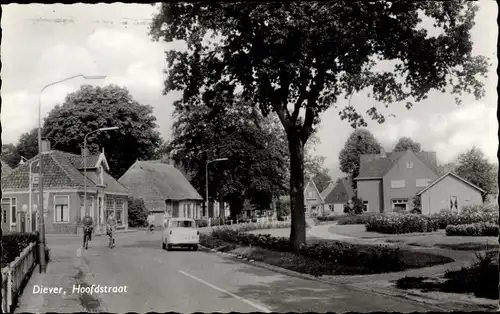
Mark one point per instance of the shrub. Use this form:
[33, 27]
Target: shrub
[257, 226]
[201, 223]
[356, 219]
[473, 230]
[14, 243]
[472, 214]
[397, 224]
[330, 218]
[137, 213]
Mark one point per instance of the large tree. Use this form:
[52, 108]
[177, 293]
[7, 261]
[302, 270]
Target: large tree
[91, 108]
[10, 155]
[407, 143]
[473, 166]
[257, 167]
[359, 142]
[298, 58]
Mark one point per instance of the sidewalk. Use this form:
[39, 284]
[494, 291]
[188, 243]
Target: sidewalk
[62, 271]
[95, 234]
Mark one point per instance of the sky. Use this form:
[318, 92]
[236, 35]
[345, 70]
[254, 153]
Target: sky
[46, 43]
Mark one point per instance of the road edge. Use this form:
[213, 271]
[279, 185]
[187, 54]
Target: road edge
[406, 295]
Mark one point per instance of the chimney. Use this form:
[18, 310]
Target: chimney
[45, 145]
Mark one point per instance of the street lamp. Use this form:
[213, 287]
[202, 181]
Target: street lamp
[23, 159]
[41, 247]
[85, 163]
[206, 185]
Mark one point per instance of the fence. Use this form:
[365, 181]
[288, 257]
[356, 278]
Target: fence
[16, 274]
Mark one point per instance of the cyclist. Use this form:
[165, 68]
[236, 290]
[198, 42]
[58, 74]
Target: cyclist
[111, 228]
[88, 226]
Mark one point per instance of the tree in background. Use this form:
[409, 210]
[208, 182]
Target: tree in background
[406, 143]
[137, 213]
[473, 166]
[91, 108]
[10, 155]
[298, 58]
[255, 146]
[448, 167]
[359, 142]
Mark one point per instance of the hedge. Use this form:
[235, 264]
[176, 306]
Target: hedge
[330, 218]
[357, 219]
[13, 245]
[400, 223]
[470, 215]
[473, 230]
[380, 258]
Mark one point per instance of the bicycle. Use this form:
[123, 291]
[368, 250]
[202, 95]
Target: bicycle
[87, 234]
[111, 243]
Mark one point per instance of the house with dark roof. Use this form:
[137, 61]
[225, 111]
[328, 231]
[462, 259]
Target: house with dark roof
[336, 195]
[449, 193]
[64, 185]
[164, 189]
[388, 182]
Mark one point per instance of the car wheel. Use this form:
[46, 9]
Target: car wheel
[195, 247]
[169, 247]
[163, 246]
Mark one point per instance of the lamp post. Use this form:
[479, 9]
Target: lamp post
[85, 163]
[206, 185]
[41, 247]
[30, 215]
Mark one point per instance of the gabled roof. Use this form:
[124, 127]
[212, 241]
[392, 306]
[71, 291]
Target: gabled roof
[112, 185]
[311, 181]
[453, 175]
[375, 166]
[92, 161]
[59, 172]
[328, 189]
[343, 185]
[153, 180]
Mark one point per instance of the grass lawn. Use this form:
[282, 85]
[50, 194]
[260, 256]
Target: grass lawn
[429, 239]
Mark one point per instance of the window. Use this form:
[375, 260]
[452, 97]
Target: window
[331, 207]
[310, 194]
[398, 184]
[9, 205]
[306, 208]
[365, 206]
[4, 216]
[422, 183]
[409, 165]
[182, 224]
[399, 204]
[61, 208]
[110, 206]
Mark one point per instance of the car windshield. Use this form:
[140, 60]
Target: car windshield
[182, 224]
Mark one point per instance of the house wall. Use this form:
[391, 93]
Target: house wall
[190, 209]
[314, 200]
[437, 198]
[371, 191]
[334, 209]
[410, 175]
[114, 208]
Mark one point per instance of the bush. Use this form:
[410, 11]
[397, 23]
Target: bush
[257, 226]
[356, 219]
[473, 230]
[472, 214]
[400, 223]
[137, 213]
[13, 245]
[330, 218]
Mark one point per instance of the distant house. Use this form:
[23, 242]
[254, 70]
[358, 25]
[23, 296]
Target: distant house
[63, 187]
[313, 201]
[388, 182]
[449, 193]
[336, 195]
[164, 189]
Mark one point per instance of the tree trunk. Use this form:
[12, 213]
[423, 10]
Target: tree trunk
[298, 230]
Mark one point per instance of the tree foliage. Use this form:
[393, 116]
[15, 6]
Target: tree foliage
[91, 108]
[473, 166]
[10, 155]
[299, 58]
[406, 143]
[257, 167]
[359, 142]
[137, 213]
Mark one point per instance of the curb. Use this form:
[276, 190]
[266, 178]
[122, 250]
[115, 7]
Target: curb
[413, 297]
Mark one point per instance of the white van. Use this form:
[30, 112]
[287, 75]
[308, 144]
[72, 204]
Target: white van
[180, 232]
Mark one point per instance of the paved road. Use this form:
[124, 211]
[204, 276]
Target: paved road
[186, 282]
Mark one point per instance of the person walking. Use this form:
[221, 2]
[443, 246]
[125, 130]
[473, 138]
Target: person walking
[151, 222]
[88, 226]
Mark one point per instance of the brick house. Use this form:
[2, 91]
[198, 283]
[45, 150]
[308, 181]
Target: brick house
[164, 189]
[63, 187]
[313, 201]
[388, 182]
